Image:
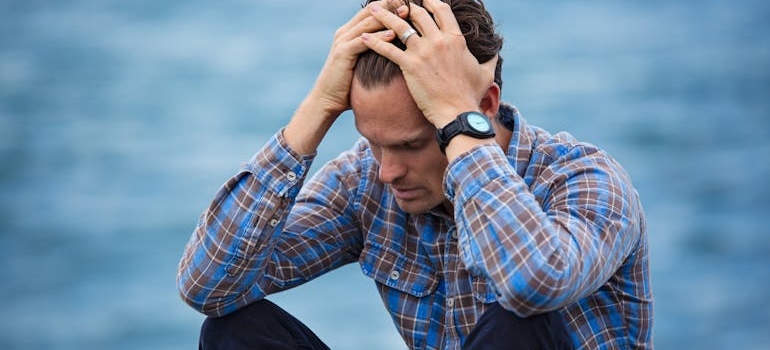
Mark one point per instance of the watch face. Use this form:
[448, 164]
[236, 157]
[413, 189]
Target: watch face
[479, 122]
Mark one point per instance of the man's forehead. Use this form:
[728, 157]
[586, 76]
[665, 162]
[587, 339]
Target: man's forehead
[393, 130]
[406, 139]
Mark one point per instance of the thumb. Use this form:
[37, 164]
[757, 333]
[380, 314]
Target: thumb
[488, 69]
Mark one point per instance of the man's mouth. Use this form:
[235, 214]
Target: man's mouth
[406, 193]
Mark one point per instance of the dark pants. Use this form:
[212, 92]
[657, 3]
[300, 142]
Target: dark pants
[264, 325]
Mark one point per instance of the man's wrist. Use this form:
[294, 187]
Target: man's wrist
[473, 124]
[462, 144]
[307, 127]
[446, 115]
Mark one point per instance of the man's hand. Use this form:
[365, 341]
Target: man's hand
[330, 94]
[332, 86]
[443, 76]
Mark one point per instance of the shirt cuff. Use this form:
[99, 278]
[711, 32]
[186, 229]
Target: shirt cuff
[469, 172]
[280, 167]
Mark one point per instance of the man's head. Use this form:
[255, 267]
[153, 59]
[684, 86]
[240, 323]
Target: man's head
[477, 27]
[401, 139]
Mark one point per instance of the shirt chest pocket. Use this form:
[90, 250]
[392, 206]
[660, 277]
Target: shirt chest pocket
[413, 276]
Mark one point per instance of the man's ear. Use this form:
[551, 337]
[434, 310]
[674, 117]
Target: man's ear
[490, 102]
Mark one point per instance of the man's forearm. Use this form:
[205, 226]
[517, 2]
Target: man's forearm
[309, 125]
[542, 258]
[233, 238]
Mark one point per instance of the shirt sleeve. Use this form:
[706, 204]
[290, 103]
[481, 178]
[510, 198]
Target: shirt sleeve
[257, 237]
[546, 242]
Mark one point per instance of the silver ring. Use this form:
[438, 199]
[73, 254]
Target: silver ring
[404, 37]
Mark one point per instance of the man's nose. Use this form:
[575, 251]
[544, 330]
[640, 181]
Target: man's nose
[391, 168]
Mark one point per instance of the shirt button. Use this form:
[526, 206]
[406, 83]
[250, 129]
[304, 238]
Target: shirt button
[291, 176]
[450, 303]
[273, 222]
[394, 275]
[454, 234]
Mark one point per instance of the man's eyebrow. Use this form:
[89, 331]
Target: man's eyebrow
[401, 141]
[411, 141]
[416, 139]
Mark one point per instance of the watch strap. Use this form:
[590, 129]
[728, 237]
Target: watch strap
[460, 126]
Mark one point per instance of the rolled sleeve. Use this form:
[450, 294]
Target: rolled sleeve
[219, 268]
[550, 238]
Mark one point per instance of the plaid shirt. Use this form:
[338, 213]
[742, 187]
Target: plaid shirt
[553, 225]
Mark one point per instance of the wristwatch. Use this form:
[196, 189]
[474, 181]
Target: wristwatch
[473, 124]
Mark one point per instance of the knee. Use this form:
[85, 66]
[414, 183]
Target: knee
[499, 328]
[253, 324]
[257, 312]
[261, 325]
[549, 320]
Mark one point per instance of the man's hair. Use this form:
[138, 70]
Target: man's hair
[477, 27]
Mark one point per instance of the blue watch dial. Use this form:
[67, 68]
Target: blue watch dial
[478, 122]
[473, 124]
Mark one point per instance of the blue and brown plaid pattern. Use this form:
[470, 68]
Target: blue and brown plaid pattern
[553, 225]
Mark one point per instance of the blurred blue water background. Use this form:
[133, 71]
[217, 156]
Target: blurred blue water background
[119, 120]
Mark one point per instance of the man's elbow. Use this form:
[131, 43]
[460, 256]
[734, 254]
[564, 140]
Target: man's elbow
[196, 298]
[527, 309]
[526, 303]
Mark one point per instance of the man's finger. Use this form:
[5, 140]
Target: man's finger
[391, 21]
[394, 5]
[489, 68]
[360, 16]
[367, 25]
[423, 21]
[443, 16]
[384, 48]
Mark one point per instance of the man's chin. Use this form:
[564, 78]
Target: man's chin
[416, 207]
[413, 207]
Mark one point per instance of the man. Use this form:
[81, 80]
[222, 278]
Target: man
[479, 230]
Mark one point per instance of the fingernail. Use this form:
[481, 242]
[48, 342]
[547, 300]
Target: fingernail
[403, 9]
[365, 36]
[376, 8]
